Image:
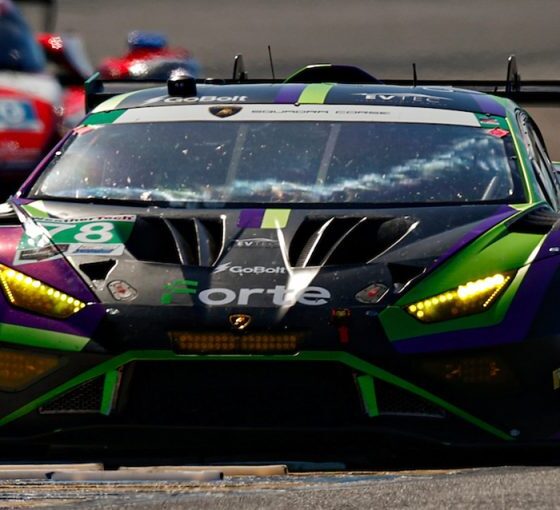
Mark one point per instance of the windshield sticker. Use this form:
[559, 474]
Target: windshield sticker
[263, 218]
[46, 239]
[303, 112]
[498, 132]
[491, 121]
[176, 291]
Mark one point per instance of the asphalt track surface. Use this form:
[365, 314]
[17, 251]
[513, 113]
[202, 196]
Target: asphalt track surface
[446, 39]
[480, 488]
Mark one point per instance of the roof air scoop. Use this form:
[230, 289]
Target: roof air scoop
[332, 73]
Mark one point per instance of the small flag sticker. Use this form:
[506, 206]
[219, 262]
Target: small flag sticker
[263, 218]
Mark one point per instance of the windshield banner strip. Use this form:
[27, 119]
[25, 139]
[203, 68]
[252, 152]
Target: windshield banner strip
[312, 113]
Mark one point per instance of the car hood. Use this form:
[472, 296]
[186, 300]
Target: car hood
[252, 257]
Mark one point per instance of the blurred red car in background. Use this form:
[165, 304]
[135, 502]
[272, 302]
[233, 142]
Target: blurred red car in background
[149, 57]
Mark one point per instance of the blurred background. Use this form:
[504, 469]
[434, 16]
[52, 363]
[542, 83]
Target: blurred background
[446, 38]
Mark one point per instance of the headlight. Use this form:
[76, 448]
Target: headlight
[472, 297]
[33, 295]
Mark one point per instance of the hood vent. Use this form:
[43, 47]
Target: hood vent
[98, 270]
[185, 241]
[537, 221]
[345, 240]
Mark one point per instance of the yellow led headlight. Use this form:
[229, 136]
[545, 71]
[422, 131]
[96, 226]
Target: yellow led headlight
[472, 297]
[33, 295]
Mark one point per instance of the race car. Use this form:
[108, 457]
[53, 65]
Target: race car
[148, 57]
[307, 261]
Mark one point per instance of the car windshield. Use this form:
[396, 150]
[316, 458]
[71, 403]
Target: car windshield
[227, 161]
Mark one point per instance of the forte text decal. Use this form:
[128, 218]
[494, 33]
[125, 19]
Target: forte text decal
[279, 295]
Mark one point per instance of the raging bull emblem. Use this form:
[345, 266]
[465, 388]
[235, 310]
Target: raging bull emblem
[240, 321]
[224, 111]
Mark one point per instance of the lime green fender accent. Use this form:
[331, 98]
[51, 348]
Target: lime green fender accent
[32, 337]
[109, 368]
[496, 251]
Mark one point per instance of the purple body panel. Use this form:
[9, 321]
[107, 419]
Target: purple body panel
[489, 105]
[59, 274]
[517, 321]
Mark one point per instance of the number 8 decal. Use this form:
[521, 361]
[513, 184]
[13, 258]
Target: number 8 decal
[100, 232]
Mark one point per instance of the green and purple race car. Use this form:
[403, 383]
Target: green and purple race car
[325, 256]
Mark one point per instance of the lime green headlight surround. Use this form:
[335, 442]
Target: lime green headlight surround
[33, 295]
[471, 297]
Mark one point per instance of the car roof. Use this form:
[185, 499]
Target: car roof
[439, 97]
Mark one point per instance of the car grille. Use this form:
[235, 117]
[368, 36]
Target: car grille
[86, 398]
[392, 400]
[243, 394]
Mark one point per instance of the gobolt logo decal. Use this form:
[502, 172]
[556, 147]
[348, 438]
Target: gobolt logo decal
[249, 270]
[218, 296]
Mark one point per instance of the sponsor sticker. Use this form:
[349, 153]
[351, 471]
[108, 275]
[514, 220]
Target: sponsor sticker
[256, 242]
[279, 295]
[249, 270]
[491, 121]
[116, 249]
[102, 235]
[404, 98]
[207, 99]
